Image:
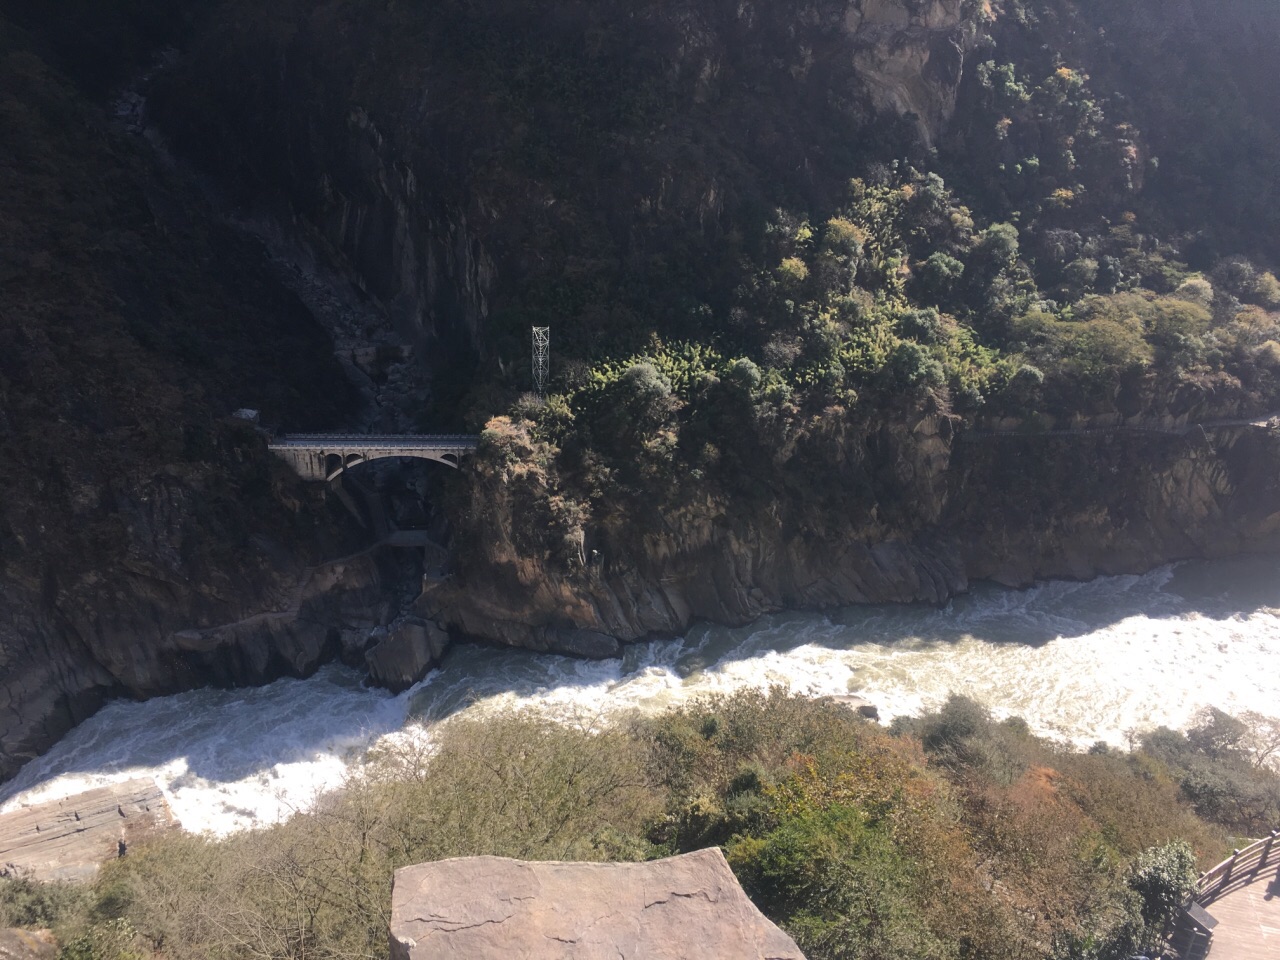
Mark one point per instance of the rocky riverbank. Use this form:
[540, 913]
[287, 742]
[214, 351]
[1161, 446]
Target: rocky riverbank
[1009, 508]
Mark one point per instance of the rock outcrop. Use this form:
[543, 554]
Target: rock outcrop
[27, 945]
[404, 652]
[160, 638]
[69, 839]
[490, 908]
[945, 509]
[911, 57]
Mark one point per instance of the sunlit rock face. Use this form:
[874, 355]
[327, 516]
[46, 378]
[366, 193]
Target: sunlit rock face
[476, 908]
[68, 840]
[911, 55]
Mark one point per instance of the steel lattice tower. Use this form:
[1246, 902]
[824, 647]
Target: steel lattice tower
[541, 358]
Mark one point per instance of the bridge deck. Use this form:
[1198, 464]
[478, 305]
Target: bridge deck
[1249, 919]
[337, 441]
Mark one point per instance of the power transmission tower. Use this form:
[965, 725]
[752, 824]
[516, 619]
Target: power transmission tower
[541, 358]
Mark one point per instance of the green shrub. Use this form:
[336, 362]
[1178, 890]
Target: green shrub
[1164, 877]
[26, 903]
[955, 836]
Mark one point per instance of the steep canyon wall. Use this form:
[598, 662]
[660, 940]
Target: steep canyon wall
[948, 509]
[146, 551]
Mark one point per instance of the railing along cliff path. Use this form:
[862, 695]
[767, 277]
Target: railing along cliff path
[1244, 895]
[1239, 869]
[1168, 427]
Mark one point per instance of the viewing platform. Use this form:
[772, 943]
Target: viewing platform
[1236, 912]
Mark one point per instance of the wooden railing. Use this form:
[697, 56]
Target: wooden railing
[1238, 869]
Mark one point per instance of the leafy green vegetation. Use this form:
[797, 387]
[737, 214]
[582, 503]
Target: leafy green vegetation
[951, 836]
[1057, 272]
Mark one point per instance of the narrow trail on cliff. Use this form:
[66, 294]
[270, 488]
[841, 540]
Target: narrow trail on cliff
[1174, 429]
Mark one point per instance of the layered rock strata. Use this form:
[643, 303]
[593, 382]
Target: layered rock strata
[69, 839]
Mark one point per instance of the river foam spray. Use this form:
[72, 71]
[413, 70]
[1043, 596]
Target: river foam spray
[1080, 662]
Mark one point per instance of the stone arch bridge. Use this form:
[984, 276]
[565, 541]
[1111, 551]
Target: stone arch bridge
[316, 456]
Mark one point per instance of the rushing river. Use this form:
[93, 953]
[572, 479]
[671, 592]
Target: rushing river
[1080, 661]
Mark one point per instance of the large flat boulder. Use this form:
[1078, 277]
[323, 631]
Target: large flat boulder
[490, 908]
[69, 839]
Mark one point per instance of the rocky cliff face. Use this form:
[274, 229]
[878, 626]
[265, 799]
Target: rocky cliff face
[911, 56]
[416, 253]
[148, 541]
[478, 167]
[950, 509]
[445, 188]
[70, 839]
[82, 635]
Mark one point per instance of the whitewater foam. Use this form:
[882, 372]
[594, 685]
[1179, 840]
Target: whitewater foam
[1080, 662]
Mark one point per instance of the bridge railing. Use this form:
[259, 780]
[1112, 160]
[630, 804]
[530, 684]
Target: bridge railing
[375, 440]
[1238, 869]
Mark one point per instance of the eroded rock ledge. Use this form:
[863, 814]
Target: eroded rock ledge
[69, 839]
[936, 514]
[679, 908]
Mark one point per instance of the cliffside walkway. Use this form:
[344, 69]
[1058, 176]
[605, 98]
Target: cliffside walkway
[320, 456]
[1169, 428]
[1242, 894]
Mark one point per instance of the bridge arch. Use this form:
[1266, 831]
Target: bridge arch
[343, 463]
[322, 457]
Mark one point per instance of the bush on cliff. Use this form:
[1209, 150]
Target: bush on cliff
[320, 884]
[838, 335]
[1221, 768]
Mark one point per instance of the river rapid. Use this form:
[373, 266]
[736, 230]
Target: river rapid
[1081, 662]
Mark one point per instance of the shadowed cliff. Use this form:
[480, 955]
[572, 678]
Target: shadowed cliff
[796, 256]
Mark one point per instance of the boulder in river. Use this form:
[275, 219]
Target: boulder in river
[410, 648]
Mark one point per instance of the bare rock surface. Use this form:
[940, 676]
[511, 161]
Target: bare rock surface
[679, 908]
[409, 648]
[27, 945]
[859, 705]
[69, 839]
